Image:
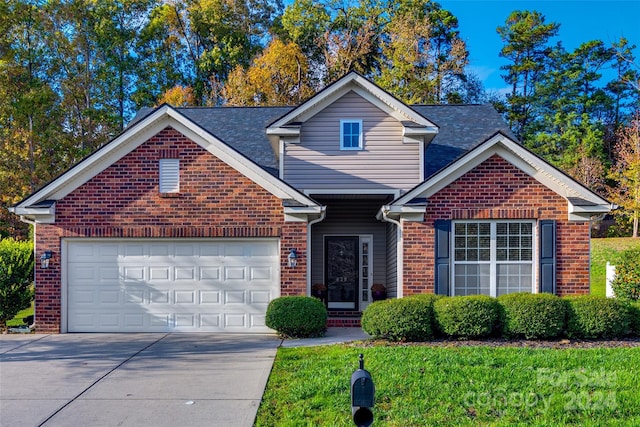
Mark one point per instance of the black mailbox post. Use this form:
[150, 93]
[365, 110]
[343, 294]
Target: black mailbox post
[362, 396]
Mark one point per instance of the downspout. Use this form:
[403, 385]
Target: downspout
[323, 213]
[399, 255]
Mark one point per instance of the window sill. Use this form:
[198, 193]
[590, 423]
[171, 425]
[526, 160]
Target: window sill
[170, 195]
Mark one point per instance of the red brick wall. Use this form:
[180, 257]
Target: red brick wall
[497, 189]
[215, 200]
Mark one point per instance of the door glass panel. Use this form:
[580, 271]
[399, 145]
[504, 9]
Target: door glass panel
[342, 272]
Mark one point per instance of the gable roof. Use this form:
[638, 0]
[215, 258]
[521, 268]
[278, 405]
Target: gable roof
[414, 123]
[143, 128]
[460, 129]
[582, 201]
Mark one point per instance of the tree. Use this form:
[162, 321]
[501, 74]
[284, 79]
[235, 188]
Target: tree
[32, 138]
[305, 22]
[16, 277]
[626, 171]
[350, 43]
[206, 40]
[526, 37]
[279, 76]
[422, 58]
[178, 96]
[117, 28]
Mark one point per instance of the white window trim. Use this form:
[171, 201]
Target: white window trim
[360, 138]
[169, 176]
[493, 288]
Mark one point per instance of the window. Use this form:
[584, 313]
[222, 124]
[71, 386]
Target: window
[492, 258]
[351, 134]
[169, 176]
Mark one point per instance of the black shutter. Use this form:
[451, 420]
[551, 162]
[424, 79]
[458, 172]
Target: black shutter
[548, 256]
[443, 257]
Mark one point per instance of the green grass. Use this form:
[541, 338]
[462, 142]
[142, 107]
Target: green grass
[603, 250]
[17, 320]
[430, 386]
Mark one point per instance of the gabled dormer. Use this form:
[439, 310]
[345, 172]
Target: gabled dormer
[352, 136]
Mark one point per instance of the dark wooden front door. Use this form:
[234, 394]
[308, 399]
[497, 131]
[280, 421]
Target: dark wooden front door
[341, 271]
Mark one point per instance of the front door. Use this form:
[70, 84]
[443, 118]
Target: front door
[342, 271]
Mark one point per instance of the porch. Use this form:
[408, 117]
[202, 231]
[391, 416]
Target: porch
[350, 251]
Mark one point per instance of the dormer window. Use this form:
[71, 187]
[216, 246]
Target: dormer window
[169, 176]
[351, 134]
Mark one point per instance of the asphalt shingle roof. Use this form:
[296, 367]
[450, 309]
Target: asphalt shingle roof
[461, 128]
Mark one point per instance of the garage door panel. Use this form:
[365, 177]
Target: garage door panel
[109, 297]
[189, 285]
[160, 273]
[185, 273]
[259, 297]
[210, 273]
[210, 320]
[234, 273]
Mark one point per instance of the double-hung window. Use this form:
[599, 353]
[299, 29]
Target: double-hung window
[351, 134]
[493, 257]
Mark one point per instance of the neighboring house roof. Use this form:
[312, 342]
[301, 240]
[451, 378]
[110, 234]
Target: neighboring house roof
[582, 202]
[41, 203]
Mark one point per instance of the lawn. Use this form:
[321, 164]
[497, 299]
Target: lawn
[17, 320]
[603, 250]
[456, 385]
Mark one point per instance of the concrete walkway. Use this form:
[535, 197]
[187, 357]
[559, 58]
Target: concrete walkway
[139, 379]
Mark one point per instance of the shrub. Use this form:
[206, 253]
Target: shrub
[16, 277]
[405, 319]
[592, 316]
[472, 316]
[532, 316]
[297, 316]
[634, 314]
[626, 285]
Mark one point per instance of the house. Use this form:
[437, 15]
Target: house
[193, 219]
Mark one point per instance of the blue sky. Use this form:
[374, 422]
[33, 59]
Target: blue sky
[580, 21]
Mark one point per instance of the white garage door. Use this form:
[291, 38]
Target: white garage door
[169, 285]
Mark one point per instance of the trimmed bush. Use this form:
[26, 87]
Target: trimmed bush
[626, 284]
[472, 316]
[405, 319]
[532, 316]
[16, 277]
[592, 316]
[297, 317]
[634, 313]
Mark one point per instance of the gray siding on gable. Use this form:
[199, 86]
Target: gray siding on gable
[385, 162]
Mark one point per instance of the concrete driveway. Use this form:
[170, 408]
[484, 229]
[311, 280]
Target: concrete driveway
[133, 379]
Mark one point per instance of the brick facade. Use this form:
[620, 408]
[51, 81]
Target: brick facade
[123, 201]
[497, 190]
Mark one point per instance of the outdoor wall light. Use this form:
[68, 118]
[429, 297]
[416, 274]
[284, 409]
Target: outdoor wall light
[293, 258]
[44, 259]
